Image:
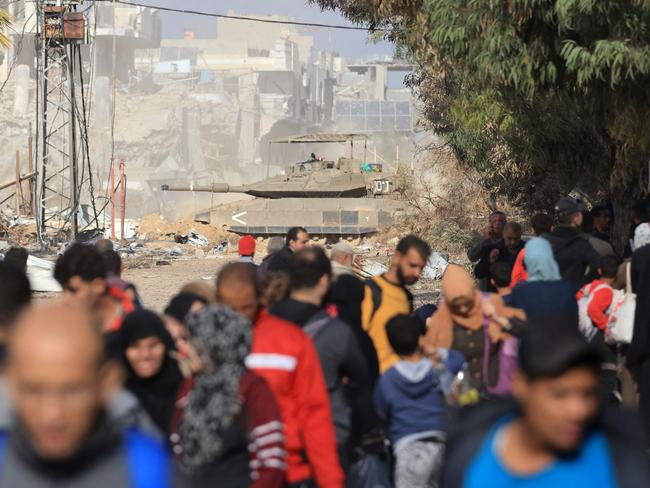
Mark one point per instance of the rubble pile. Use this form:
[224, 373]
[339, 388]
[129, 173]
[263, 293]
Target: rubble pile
[155, 227]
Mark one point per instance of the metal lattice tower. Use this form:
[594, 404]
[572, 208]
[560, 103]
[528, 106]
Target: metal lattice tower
[60, 31]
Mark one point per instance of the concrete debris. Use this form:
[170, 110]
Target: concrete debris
[372, 268]
[191, 238]
[197, 239]
[153, 227]
[175, 251]
[221, 247]
[436, 266]
[19, 221]
[90, 236]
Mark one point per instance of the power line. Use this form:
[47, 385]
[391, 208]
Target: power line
[250, 19]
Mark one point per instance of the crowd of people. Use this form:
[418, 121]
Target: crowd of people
[291, 371]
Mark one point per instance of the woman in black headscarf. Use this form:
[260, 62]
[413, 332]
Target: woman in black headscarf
[152, 374]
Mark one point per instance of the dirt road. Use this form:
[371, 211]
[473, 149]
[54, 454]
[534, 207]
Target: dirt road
[158, 284]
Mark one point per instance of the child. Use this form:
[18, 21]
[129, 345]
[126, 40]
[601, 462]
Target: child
[594, 300]
[500, 276]
[409, 398]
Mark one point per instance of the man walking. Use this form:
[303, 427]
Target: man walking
[297, 239]
[246, 250]
[60, 384]
[343, 363]
[387, 295]
[553, 435]
[285, 357]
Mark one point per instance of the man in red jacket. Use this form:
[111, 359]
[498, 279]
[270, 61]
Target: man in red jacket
[286, 358]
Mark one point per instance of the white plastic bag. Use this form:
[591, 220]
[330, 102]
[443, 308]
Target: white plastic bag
[621, 314]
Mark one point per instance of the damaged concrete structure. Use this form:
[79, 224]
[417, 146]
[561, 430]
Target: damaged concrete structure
[203, 111]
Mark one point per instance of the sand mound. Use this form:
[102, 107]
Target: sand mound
[154, 226]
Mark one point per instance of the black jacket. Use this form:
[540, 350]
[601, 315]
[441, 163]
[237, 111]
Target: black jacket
[574, 255]
[639, 350]
[347, 293]
[279, 261]
[340, 357]
[470, 428]
[482, 269]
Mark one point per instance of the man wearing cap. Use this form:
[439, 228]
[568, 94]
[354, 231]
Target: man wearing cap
[576, 257]
[342, 257]
[556, 433]
[246, 248]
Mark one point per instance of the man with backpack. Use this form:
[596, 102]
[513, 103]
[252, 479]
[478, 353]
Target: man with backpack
[338, 349]
[594, 303]
[60, 382]
[387, 295]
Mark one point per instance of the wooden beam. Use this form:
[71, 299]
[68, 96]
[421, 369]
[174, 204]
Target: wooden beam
[12, 182]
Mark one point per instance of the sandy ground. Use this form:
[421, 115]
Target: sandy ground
[158, 284]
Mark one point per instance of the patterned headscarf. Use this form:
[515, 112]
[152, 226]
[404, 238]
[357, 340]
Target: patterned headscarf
[223, 340]
[642, 236]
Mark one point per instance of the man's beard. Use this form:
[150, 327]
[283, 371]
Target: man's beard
[403, 281]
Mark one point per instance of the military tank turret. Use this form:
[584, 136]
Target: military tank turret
[347, 197]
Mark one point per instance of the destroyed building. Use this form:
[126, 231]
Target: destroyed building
[203, 110]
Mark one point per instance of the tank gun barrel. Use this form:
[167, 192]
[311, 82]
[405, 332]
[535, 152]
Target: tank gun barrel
[214, 188]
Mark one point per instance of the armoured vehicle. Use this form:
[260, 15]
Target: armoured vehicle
[344, 197]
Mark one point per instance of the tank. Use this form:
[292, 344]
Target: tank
[347, 198]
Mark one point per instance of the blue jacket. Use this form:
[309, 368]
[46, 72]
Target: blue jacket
[409, 398]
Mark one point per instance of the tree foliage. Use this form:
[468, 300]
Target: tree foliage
[538, 95]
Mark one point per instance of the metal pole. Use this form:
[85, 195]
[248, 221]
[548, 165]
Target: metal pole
[123, 212]
[397, 156]
[112, 197]
[74, 182]
[41, 119]
[365, 151]
[18, 185]
[30, 163]
[268, 159]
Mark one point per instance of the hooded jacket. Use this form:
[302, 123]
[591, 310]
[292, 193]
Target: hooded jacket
[340, 356]
[409, 398]
[285, 357]
[472, 426]
[574, 255]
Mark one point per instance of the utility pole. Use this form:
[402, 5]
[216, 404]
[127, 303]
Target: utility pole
[60, 32]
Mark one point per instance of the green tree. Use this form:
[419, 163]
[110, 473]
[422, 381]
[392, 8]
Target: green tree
[538, 95]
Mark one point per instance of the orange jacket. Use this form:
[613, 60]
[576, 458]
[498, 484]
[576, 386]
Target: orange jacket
[285, 357]
[519, 273]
